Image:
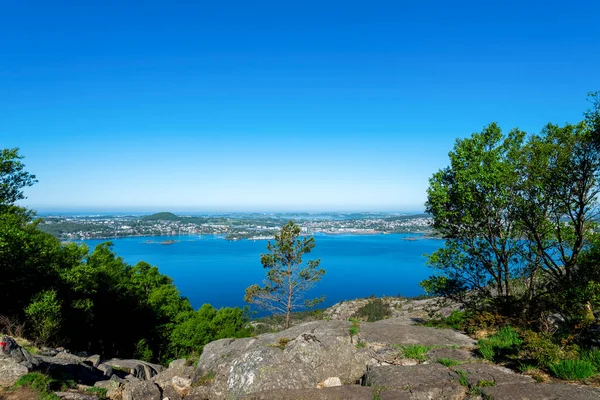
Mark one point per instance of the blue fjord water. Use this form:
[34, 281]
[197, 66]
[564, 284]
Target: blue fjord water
[210, 269]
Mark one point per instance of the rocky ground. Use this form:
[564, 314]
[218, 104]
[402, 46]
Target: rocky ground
[318, 360]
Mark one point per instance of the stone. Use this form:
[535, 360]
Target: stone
[330, 382]
[75, 396]
[541, 391]
[10, 371]
[94, 360]
[349, 392]
[477, 372]
[313, 351]
[390, 332]
[397, 376]
[140, 369]
[113, 388]
[141, 390]
[439, 391]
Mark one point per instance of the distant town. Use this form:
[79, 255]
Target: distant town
[235, 226]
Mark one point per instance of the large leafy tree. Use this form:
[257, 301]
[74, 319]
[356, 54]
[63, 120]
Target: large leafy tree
[516, 207]
[288, 278]
[472, 204]
[13, 177]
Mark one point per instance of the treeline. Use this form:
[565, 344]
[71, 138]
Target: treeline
[71, 296]
[520, 216]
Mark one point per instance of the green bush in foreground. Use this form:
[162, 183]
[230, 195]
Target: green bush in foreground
[573, 369]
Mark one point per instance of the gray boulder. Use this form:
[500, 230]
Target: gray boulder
[141, 390]
[113, 387]
[175, 381]
[139, 369]
[298, 358]
[10, 371]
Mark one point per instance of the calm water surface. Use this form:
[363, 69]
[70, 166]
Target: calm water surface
[210, 269]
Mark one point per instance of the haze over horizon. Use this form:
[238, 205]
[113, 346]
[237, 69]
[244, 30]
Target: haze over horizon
[268, 106]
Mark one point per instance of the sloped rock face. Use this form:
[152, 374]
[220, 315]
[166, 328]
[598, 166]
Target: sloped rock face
[389, 331]
[298, 358]
[541, 391]
[336, 393]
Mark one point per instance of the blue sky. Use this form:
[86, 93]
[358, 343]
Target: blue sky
[308, 105]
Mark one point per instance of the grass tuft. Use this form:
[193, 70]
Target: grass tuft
[573, 370]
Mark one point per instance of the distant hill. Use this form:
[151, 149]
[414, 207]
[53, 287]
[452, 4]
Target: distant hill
[161, 216]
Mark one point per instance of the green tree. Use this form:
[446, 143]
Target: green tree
[472, 204]
[44, 314]
[13, 177]
[287, 277]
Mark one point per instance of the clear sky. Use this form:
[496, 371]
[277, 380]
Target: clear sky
[278, 105]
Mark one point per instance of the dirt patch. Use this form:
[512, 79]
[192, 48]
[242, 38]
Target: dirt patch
[22, 393]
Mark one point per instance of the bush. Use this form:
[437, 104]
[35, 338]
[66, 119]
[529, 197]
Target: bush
[374, 310]
[541, 348]
[573, 369]
[482, 320]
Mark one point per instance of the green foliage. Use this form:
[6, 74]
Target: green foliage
[414, 351]
[485, 383]
[573, 369]
[593, 356]
[455, 320]
[287, 277]
[518, 215]
[194, 329]
[374, 310]
[44, 314]
[448, 362]
[541, 348]
[501, 344]
[13, 178]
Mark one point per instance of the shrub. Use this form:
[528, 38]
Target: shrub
[541, 348]
[573, 369]
[482, 320]
[44, 314]
[374, 310]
